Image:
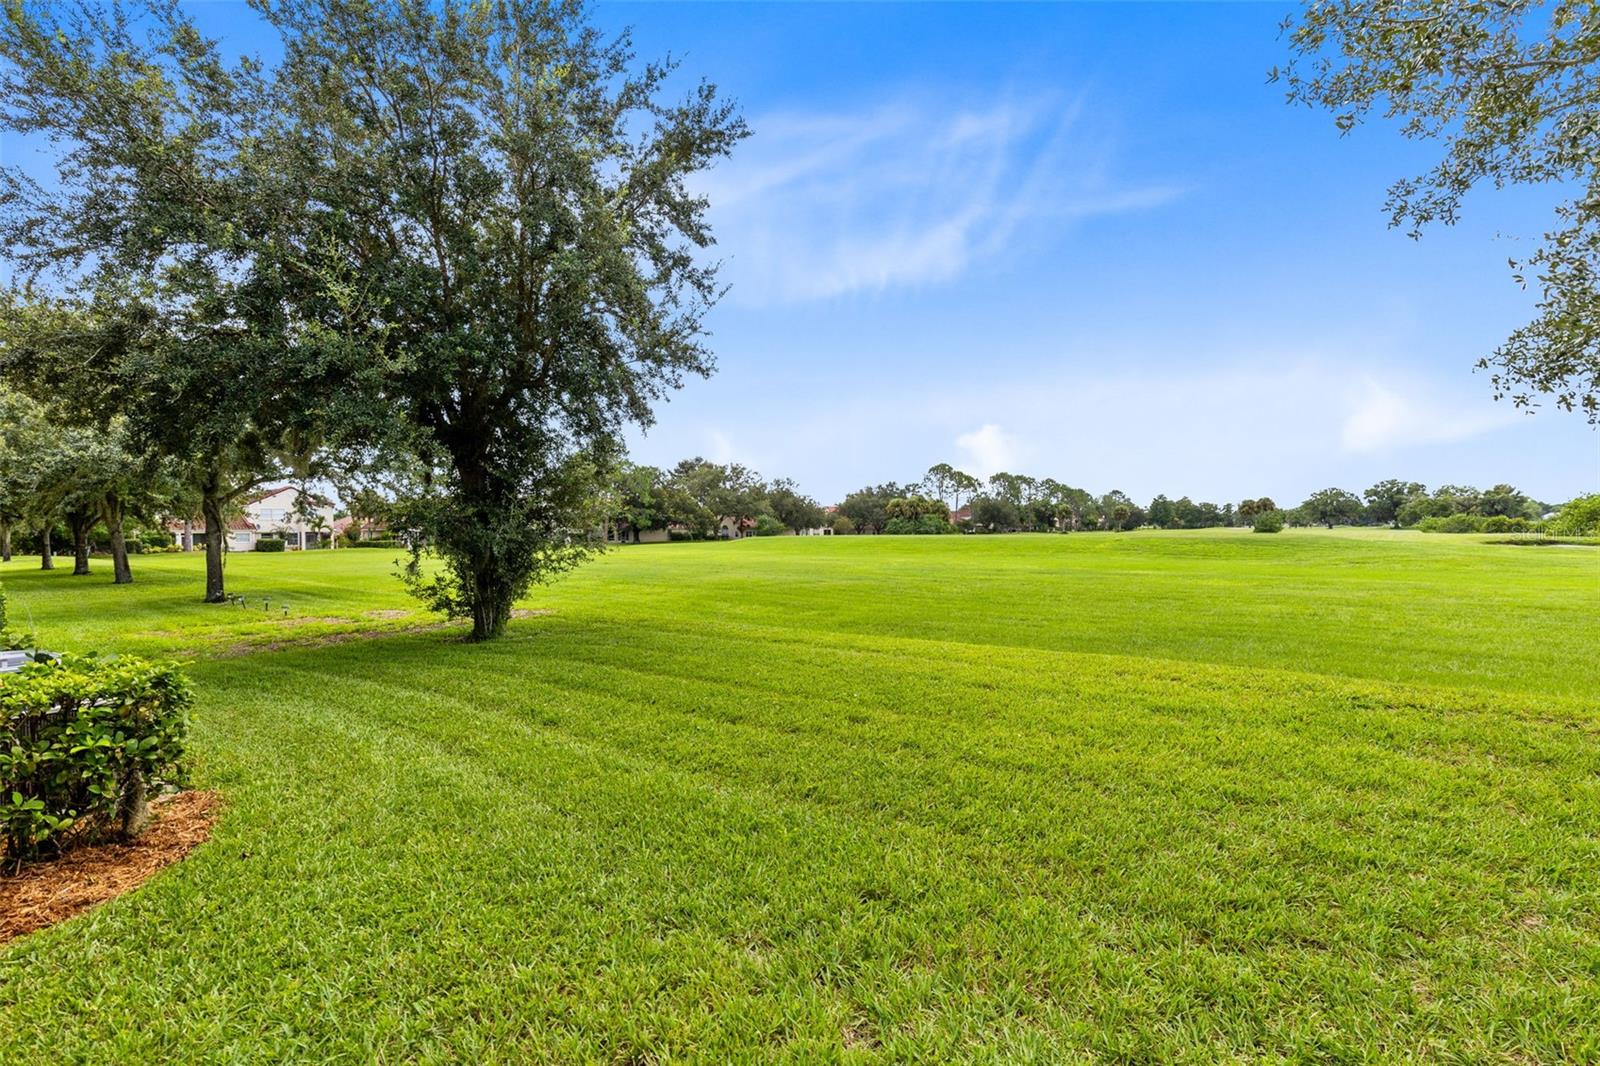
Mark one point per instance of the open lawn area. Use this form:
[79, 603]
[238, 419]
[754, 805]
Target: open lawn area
[1144, 797]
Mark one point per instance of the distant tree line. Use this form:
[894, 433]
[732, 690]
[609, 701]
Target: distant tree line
[947, 499]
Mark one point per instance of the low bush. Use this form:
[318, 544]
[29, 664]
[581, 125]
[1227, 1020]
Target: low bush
[1579, 518]
[768, 526]
[925, 525]
[269, 544]
[86, 742]
[842, 526]
[1455, 523]
[376, 542]
[154, 540]
[1268, 522]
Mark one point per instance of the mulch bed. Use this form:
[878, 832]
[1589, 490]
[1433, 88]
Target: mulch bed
[45, 893]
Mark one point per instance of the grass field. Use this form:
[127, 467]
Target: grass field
[1152, 797]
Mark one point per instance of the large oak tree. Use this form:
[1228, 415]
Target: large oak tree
[499, 208]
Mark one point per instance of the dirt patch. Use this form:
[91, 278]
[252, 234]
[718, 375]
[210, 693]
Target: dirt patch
[49, 892]
[524, 612]
[233, 651]
[384, 614]
[858, 1035]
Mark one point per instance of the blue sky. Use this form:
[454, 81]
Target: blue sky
[1085, 241]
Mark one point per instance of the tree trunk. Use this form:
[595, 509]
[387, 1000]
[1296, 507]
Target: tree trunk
[135, 806]
[47, 559]
[491, 608]
[5, 542]
[211, 510]
[80, 525]
[119, 545]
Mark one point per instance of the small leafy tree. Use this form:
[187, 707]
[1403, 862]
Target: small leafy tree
[1270, 521]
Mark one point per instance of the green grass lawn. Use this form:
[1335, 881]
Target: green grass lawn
[1151, 797]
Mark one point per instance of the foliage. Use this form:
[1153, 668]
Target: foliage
[269, 544]
[994, 514]
[170, 231]
[455, 235]
[921, 525]
[1269, 521]
[701, 495]
[1512, 90]
[768, 526]
[495, 548]
[911, 508]
[547, 286]
[792, 509]
[86, 741]
[1455, 523]
[1579, 517]
[1386, 498]
[868, 508]
[949, 485]
[1330, 507]
[842, 526]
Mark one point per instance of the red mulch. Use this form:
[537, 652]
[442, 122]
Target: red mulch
[45, 893]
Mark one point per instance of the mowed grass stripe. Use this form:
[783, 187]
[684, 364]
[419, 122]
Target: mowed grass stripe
[1176, 901]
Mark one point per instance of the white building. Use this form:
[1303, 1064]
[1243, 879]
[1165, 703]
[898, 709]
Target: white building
[271, 513]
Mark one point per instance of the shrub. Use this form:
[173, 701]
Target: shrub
[378, 542]
[1579, 518]
[925, 525]
[1497, 524]
[269, 544]
[154, 540]
[768, 526]
[10, 641]
[842, 526]
[86, 742]
[1455, 523]
[1268, 522]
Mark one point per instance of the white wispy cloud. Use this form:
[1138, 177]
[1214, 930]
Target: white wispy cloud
[1385, 417]
[906, 193]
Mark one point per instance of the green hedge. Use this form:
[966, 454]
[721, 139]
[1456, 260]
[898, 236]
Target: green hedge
[1471, 523]
[86, 742]
[269, 544]
[1268, 522]
[924, 525]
